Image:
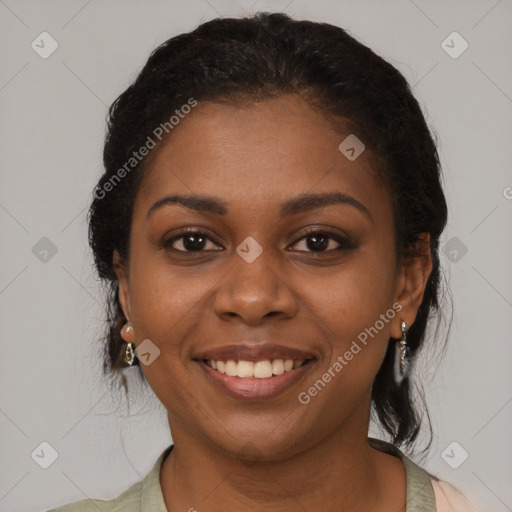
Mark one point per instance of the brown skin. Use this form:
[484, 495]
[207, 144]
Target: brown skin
[310, 457]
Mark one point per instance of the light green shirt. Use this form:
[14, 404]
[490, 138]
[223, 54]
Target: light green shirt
[146, 495]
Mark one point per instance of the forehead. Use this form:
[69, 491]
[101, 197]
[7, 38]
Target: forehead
[258, 155]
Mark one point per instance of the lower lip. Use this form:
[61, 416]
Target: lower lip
[254, 389]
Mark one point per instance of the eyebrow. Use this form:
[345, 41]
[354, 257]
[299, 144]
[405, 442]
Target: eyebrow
[300, 204]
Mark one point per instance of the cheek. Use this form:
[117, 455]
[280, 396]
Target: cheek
[166, 305]
[167, 301]
[355, 295]
[356, 304]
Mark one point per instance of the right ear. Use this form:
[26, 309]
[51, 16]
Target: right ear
[123, 281]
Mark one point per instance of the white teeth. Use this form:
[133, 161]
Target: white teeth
[263, 369]
[231, 368]
[259, 369]
[277, 366]
[245, 369]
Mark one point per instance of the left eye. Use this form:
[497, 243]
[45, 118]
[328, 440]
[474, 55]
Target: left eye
[319, 241]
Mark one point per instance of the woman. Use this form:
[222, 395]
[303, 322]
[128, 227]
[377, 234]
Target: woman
[269, 223]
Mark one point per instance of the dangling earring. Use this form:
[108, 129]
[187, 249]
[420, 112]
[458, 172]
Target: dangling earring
[402, 356]
[129, 355]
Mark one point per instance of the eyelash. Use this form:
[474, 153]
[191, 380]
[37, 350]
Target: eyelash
[344, 243]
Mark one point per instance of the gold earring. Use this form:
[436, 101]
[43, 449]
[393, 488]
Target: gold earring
[129, 355]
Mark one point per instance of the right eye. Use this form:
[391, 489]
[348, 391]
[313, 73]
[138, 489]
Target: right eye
[189, 240]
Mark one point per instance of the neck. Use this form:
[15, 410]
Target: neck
[341, 472]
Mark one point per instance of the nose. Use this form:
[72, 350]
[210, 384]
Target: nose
[254, 291]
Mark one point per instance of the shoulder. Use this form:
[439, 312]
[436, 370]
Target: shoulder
[425, 491]
[128, 501]
[449, 498]
[144, 495]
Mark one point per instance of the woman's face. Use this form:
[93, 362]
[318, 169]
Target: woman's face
[294, 260]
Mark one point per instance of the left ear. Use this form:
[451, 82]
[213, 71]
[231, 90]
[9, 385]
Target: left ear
[411, 283]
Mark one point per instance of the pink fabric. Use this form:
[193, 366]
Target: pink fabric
[450, 499]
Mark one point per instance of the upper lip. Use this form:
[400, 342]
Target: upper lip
[252, 352]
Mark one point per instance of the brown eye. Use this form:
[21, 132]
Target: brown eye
[322, 241]
[189, 241]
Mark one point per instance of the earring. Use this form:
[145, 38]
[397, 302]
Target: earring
[130, 357]
[402, 357]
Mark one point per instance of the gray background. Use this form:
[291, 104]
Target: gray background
[51, 132]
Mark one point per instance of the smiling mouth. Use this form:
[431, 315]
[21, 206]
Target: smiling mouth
[263, 369]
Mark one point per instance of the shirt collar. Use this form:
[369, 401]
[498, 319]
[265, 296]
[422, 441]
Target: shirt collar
[420, 494]
[151, 497]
